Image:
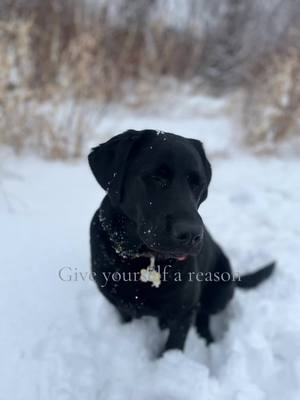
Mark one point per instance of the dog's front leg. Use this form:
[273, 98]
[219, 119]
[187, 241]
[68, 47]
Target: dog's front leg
[178, 331]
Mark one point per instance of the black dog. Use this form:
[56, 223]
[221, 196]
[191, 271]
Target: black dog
[155, 183]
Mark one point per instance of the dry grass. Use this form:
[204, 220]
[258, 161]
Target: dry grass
[271, 111]
[14, 55]
[53, 50]
[53, 131]
[82, 51]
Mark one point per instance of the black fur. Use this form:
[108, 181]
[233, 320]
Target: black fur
[155, 183]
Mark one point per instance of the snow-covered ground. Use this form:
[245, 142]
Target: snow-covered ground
[61, 340]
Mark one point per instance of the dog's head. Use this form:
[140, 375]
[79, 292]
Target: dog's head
[158, 180]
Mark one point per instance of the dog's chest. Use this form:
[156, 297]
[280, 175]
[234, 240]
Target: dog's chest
[128, 291]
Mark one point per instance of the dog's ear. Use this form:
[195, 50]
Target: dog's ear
[206, 164]
[108, 162]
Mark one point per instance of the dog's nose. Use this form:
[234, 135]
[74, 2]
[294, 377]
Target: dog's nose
[188, 235]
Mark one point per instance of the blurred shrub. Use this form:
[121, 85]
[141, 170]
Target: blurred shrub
[54, 131]
[14, 54]
[91, 48]
[82, 49]
[53, 50]
[271, 110]
[239, 34]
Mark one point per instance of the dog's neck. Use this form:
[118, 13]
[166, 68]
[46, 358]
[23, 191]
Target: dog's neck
[121, 231]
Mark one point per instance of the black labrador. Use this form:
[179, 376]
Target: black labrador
[151, 252]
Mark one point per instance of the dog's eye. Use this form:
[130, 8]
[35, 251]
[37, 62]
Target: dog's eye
[194, 180]
[159, 180]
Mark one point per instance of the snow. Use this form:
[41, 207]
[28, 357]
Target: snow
[61, 340]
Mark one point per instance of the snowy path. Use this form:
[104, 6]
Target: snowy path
[62, 341]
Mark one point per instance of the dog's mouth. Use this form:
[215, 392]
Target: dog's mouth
[161, 254]
[165, 256]
[181, 257]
